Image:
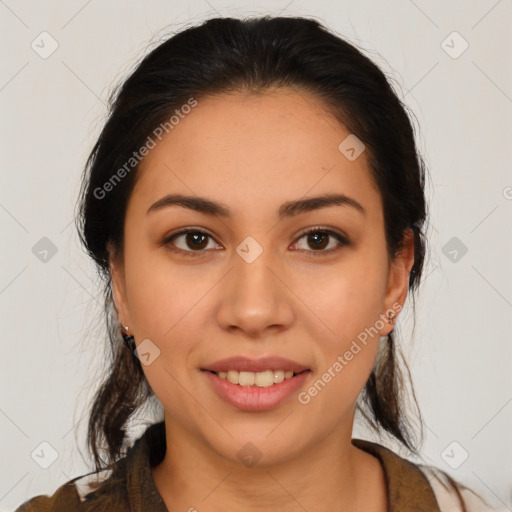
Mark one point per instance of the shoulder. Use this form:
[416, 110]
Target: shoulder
[421, 486]
[64, 498]
[450, 494]
[126, 485]
[74, 495]
[407, 486]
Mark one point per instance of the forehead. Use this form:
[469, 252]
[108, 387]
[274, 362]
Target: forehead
[283, 144]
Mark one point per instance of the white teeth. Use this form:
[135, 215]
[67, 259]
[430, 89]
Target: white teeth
[278, 376]
[232, 376]
[263, 379]
[246, 378]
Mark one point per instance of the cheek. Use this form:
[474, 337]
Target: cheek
[167, 307]
[348, 297]
[160, 294]
[347, 305]
[345, 357]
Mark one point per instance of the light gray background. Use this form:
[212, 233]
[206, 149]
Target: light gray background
[52, 110]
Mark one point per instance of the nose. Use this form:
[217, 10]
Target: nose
[255, 298]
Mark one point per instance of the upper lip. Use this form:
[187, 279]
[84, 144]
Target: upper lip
[246, 364]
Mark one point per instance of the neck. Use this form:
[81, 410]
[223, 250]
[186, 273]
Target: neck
[331, 475]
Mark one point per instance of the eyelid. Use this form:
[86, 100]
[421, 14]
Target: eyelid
[323, 229]
[340, 237]
[191, 229]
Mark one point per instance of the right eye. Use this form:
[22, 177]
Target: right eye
[192, 241]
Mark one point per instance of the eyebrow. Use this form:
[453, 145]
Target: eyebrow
[288, 209]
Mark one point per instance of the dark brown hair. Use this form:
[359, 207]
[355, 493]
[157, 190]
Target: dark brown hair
[255, 55]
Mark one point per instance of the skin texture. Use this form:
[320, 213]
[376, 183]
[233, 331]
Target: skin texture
[252, 153]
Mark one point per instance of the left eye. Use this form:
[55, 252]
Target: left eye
[197, 240]
[318, 239]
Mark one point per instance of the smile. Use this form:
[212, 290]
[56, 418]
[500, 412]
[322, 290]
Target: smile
[263, 379]
[247, 395]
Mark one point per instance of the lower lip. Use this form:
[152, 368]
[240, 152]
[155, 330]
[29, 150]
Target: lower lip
[253, 398]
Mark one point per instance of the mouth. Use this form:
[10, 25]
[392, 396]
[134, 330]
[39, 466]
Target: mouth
[263, 379]
[259, 384]
[256, 391]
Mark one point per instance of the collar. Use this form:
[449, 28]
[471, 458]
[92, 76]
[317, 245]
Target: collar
[407, 486]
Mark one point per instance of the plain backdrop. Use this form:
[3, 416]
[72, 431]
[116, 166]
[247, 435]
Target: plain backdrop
[451, 64]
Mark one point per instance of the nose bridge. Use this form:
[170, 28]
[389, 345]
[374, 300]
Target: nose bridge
[252, 269]
[255, 297]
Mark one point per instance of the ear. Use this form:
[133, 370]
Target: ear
[118, 286]
[398, 277]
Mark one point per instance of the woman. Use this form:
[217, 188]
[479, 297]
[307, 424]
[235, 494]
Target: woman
[255, 203]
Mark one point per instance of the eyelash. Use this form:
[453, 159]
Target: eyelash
[343, 241]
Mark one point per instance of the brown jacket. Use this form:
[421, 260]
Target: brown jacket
[130, 486]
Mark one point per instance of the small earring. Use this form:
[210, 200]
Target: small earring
[391, 317]
[129, 340]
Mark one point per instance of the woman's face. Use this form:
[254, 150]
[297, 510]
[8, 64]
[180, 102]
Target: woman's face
[254, 286]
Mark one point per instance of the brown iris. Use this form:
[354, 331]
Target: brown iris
[320, 240]
[196, 240]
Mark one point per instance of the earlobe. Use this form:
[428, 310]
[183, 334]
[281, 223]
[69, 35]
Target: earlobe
[398, 279]
[118, 286]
